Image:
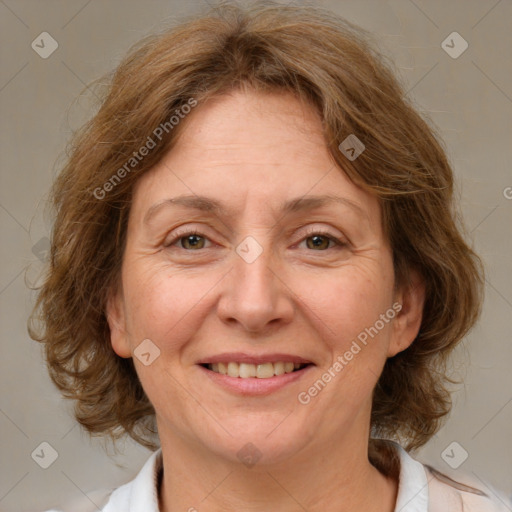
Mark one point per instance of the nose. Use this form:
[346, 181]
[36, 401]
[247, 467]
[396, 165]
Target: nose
[255, 295]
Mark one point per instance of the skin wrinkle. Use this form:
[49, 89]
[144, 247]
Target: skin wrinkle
[314, 308]
[205, 204]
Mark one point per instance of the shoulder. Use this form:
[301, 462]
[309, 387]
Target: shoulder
[463, 494]
[423, 488]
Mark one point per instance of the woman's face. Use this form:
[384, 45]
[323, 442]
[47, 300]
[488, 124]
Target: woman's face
[270, 276]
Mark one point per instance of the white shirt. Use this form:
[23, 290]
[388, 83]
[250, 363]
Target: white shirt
[420, 489]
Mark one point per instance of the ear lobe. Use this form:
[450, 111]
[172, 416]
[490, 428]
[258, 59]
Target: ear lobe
[117, 324]
[407, 323]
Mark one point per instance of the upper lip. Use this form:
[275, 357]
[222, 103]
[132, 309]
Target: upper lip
[241, 357]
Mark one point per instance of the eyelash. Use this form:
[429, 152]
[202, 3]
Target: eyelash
[311, 232]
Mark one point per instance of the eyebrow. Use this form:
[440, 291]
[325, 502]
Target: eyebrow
[206, 204]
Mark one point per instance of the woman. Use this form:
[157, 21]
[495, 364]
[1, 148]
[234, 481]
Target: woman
[256, 271]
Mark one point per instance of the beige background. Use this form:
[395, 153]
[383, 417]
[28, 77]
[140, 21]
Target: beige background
[469, 99]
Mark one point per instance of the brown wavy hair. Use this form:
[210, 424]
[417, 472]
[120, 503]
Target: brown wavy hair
[324, 61]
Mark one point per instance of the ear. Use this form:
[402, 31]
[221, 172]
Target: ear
[406, 325]
[117, 323]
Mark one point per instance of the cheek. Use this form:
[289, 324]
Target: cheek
[343, 304]
[345, 311]
[164, 305]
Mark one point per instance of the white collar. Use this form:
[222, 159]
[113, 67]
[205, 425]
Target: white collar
[142, 492]
[412, 484]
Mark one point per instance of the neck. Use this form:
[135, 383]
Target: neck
[321, 478]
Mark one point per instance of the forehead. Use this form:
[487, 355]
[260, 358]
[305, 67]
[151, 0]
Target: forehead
[251, 150]
[254, 110]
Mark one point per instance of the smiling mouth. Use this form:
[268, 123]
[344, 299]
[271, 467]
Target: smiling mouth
[254, 371]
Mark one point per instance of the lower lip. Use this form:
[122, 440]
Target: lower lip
[253, 386]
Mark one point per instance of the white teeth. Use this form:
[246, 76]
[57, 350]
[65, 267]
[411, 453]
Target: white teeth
[264, 371]
[279, 368]
[247, 370]
[233, 369]
[260, 371]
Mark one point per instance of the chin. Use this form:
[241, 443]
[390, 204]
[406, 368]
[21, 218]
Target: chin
[259, 443]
